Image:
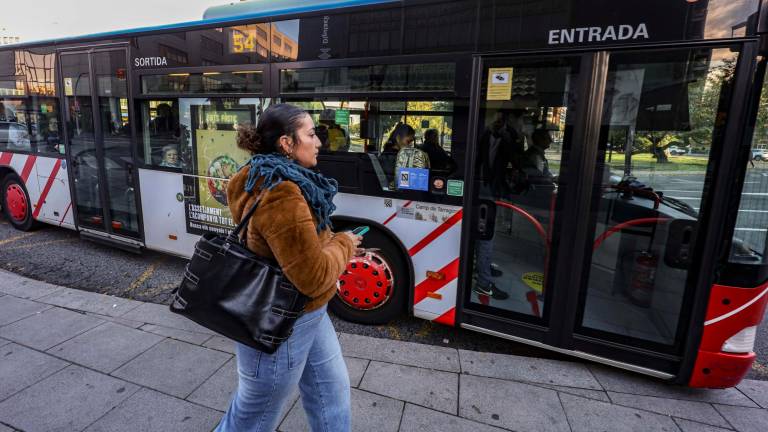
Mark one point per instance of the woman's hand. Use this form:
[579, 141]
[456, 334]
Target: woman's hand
[356, 239]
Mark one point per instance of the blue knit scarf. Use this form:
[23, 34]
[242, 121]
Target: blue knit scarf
[317, 190]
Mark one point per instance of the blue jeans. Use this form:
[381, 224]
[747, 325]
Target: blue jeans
[310, 358]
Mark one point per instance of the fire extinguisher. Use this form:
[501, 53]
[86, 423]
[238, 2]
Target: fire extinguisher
[643, 279]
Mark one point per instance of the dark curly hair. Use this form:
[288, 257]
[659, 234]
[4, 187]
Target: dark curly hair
[274, 122]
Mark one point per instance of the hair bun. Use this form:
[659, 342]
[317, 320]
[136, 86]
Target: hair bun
[248, 138]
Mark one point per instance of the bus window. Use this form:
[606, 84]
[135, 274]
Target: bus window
[197, 137]
[29, 109]
[750, 245]
[659, 123]
[162, 136]
[396, 134]
[244, 81]
[436, 77]
[337, 124]
[285, 40]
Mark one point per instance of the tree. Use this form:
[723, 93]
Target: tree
[704, 100]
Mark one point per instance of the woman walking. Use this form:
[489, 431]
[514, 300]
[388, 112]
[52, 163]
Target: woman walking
[292, 225]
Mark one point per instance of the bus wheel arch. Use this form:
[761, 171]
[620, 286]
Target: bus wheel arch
[15, 200]
[368, 278]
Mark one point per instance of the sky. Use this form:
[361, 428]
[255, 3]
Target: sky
[50, 19]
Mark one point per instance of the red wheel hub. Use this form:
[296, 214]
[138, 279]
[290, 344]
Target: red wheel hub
[16, 202]
[367, 282]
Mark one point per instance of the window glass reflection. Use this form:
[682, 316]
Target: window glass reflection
[285, 40]
[245, 81]
[29, 109]
[660, 122]
[750, 237]
[378, 78]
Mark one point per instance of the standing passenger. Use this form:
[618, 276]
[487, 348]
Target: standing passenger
[292, 225]
[401, 137]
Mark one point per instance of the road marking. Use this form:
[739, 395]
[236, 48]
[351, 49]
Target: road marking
[144, 276]
[13, 239]
[751, 229]
[685, 198]
[45, 243]
[685, 181]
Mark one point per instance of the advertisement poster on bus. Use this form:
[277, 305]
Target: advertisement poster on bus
[217, 158]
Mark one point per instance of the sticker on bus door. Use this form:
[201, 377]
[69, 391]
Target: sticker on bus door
[499, 83]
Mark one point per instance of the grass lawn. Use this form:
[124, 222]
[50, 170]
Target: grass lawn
[644, 161]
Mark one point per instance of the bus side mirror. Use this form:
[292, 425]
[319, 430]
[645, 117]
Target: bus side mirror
[486, 219]
[680, 240]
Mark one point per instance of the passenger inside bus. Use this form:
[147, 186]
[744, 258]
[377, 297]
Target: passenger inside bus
[534, 163]
[440, 161]
[401, 137]
[501, 149]
[171, 157]
[332, 135]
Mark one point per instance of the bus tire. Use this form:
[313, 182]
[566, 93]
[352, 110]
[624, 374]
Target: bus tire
[16, 204]
[363, 294]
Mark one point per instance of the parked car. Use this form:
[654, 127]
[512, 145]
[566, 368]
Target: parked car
[677, 151]
[759, 154]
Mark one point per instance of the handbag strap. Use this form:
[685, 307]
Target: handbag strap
[234, 236]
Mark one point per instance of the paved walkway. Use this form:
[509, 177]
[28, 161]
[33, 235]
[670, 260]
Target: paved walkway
[73, 361]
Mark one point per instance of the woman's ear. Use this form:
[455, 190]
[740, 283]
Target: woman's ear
[286, 144]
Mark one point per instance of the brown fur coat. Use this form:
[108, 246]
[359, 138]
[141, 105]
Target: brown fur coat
[283, 228]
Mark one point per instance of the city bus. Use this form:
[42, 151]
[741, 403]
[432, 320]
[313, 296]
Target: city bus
[575, 175]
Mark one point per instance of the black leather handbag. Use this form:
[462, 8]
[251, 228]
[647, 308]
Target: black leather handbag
[238, 294]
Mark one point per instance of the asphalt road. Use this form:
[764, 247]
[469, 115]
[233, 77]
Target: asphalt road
[59, 256]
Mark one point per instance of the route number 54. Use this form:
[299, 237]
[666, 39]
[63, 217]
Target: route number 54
[243, 42]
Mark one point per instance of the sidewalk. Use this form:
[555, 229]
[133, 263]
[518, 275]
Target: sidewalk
[73, 361]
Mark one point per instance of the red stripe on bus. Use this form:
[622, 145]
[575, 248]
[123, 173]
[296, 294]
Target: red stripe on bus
[28, 165]
[5, 158]
[448, 318]
[436, 233]
[450, 272]
[389, 219]
[65, 213]
[47, 188]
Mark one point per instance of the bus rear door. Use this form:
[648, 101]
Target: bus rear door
[98, 126]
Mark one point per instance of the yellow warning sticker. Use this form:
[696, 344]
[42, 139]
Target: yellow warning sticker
[499, 84]
[534, 280]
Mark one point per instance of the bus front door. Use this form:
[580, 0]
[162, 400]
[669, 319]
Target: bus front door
[98, 125]
[524, 126]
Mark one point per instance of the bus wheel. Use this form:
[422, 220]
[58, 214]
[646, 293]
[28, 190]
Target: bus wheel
[16, 204]
[374, 286]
